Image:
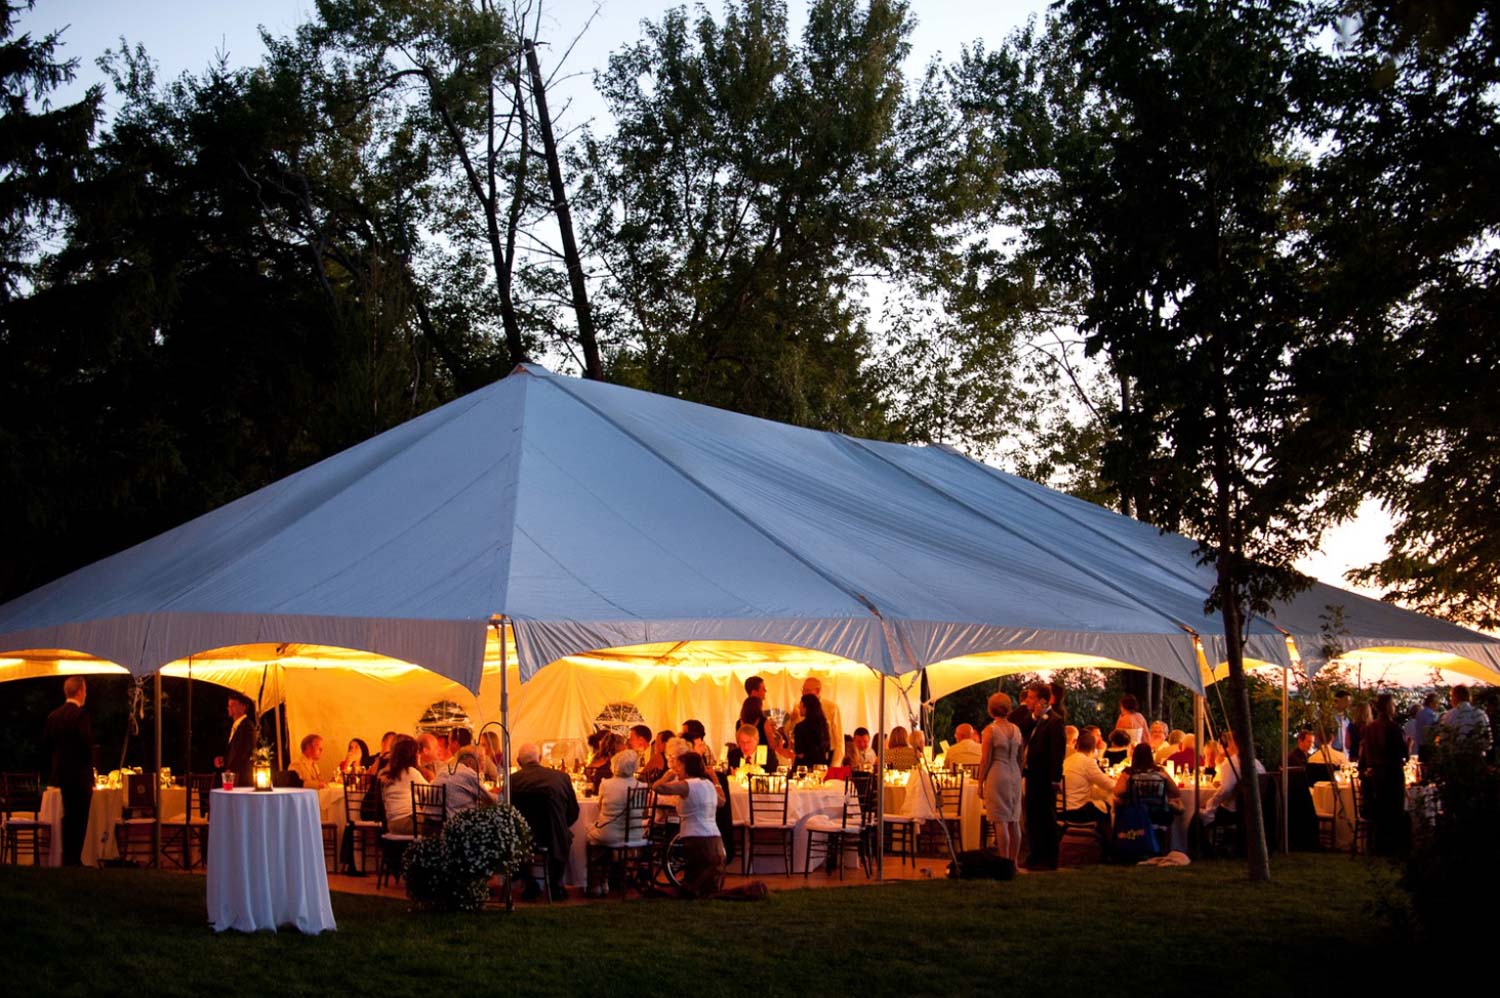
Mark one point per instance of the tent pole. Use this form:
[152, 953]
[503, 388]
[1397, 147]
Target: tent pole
[280, 716]
[504, 712]
[1286, 838]
[187, 754]
[1198, 747]
[880, 789]
[156, 790]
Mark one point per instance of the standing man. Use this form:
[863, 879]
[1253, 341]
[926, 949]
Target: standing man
[1341, 721]
[814, 686]
[239, 757]
[1420, 729]
[1024, 716]
[1045, 750]
[70, 739]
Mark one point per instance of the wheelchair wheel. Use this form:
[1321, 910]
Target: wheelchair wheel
[671, 864]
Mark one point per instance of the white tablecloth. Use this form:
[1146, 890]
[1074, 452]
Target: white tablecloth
[908, 802]
[105, 808]
[265, 862]
[801, 805]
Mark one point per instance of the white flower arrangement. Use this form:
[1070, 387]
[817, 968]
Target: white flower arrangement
[451, 871]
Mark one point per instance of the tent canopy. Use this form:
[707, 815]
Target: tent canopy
[593, 517]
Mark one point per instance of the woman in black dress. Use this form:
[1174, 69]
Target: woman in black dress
[810, 737]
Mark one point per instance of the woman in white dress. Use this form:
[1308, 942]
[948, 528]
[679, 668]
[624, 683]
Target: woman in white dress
[1000, 776]
[1131, 721]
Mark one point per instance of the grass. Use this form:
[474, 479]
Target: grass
[1104, 929]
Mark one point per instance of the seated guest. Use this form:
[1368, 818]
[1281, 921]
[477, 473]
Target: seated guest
[1094, 730]
[918, 741]
[1327, 755]
[861, 756]
[491, 756]
[656, 766]
[546, 800]
[1087, 789]
[1169, 746]
[1301, 748]
[603, 745]
[1213, 754]
[1119, 747]
[430, 758]
[1070, 740]
[746, 741]
[609, 828]
[309, 764]
[1156, 737]
[395, 785]
[382, 760]
[357, 757]
[699, 837]
[1186, 756]
[638, 740]
[898, 751]
[1144, 780]
[462, 782]
[693, 731]
[965, 748]
[810, 745]
[1228, 780]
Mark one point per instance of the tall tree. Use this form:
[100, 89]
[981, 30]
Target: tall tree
[755, 186]
[1177, 201]
[1413, 264]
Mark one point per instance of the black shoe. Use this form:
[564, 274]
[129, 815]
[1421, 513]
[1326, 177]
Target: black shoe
[559, 893]
[531, 893]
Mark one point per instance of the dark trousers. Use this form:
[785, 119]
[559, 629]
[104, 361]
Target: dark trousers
[1041, 823]
[1091, 814]
[75, 822]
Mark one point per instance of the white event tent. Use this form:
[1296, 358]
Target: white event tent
[614, 536]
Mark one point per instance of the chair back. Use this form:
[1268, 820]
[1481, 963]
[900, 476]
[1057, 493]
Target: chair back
[429, 808]
[949, 787]
[866, 787]
[969, 769]
[140, 795]
[357, 786]
[199, 786]
[640, 806]
[20, 792]
[768, 799]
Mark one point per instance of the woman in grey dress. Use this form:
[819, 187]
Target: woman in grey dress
[1000, 775]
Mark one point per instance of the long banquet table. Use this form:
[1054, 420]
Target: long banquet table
[107, 804]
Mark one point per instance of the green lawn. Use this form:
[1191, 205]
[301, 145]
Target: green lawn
[1108, 930]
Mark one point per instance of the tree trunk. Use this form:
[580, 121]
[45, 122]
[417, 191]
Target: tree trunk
[1256, 852]
[593, 368]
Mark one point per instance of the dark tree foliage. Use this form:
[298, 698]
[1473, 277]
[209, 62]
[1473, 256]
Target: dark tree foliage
[1413, 269]
[752, 185]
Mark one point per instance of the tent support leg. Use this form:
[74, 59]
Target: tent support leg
[880, 789]
[156, 790]
[1286, 838]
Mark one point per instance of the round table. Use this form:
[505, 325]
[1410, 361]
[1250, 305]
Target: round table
[265, 862]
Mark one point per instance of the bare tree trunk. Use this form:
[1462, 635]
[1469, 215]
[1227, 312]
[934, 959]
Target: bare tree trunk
[593, 368]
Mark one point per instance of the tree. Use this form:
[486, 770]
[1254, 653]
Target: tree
[1175, 200]
[40, 151]
[1413, 266]
[754, 187]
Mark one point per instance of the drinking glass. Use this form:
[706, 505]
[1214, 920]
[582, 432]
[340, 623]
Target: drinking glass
[228, 778]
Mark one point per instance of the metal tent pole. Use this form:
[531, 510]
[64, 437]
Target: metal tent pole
[156, 790]
[504, 710]
[1286, 839]
[187, 755]
[880, 788]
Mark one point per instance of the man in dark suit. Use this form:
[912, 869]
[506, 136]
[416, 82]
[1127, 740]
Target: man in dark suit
[1045, 749]
[1298, 755]
[546, 800]
[239, 758]
[70, 739]
[1024, 716]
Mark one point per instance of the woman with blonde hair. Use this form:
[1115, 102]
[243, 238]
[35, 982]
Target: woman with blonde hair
[898, 751]
[1000, 776]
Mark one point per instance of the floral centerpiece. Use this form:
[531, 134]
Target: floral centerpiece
[451, 871]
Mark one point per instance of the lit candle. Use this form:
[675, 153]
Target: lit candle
[263, 778]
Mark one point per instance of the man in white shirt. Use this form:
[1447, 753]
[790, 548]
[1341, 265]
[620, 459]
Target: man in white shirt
[1087, 789]
[1341, 721]
[1464, 721]
[1228, 781]
[965, 748]
[309, 766]
[1327, 755]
